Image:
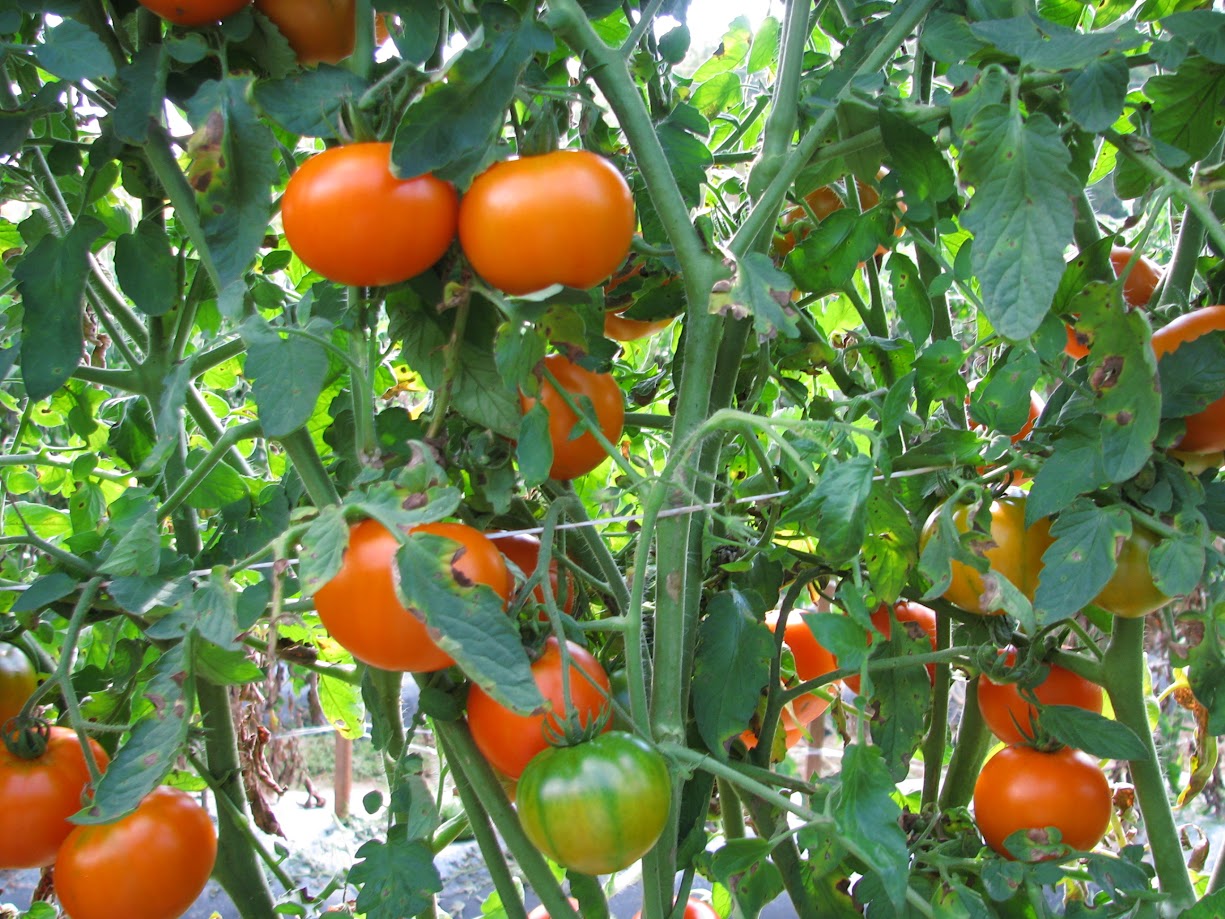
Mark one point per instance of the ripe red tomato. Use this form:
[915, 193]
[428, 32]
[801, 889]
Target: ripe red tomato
[347, 217]
[360, 609]
[1138, 290]
[573, 457]
[45, 792]
[1013, 719]
[151, 864]
[1014, 551]
[903, 611]
[1206, 429]
[319, 31]
[194, 12]
[566, 217]
[598, 806]
[509, 740]
[524, 551]
[17, 681]
[694, 909]
[1021, 788]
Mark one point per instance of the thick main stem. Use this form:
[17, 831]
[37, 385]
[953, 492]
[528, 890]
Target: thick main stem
[237, 870]
[1123, 669]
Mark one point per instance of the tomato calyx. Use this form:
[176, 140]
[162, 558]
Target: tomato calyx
[26, 737]
[572, 727]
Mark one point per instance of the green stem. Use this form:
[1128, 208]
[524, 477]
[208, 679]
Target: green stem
[786, 857]
[1123, 669]
[188, 484]
[302, 453]
[211, 428]
[63, 556]
[1176, 284]
[486, 838]
[591, 548]
[237, 868]
[937, 731]
[973, 741]
[731, 810]
[466, 758]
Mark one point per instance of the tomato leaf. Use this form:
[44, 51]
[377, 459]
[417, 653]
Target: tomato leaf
[342, 706]
[74, 52]
[138, 543]
[1177, 565]
[143, 91]
[44, 591]
[451, 129]
[467, 621]
[287, 374]
[902, 697]
[1042, 45]
[841, 496]
[732, 659]
[1192, 376]
[825, 260]
[1097, 91]
[1075, 467]
[162, 713]
[1020, 214]
[865, 811]
[938, 370]
[395, 878]
[322, 549]
[913, 302]
[146, 269]
[534, 449]
[762, 291]
[1096, 735]
[1081, 559]
[225, 668]
[233, 168]
[891, 546]
[309, 101]
[51, 280]
[1185, 113]
[222, 485]
[921, 169]
[1204, 29]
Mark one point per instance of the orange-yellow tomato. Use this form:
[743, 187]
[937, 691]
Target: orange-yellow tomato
[319, 31]
[1138, 290]
[17, 681]
[576, 456]
[360, 609]
[1206, 429]
[347, 217]
[194, 12]
[566, 217]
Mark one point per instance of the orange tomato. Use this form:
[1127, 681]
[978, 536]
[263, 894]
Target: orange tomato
[17, 681]
[319, 31]
[566, 217]
[1206, 429]
[349, 218]
[576, 456]
[1013, 718]
[524, 551]
[194, 12]
[903, 611]
[1138, 290]
[360, 609]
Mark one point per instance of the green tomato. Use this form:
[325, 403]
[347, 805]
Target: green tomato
[598, 806]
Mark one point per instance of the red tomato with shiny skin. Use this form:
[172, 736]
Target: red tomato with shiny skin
[347, 217]
[574, 457]
[1020, 788]
[319, 31]
[194, 12]
[903, 611]
[694, 909]
[17, 681]
[524, 551]
[510, 740]
[565, 217]
[360, 609]
[151, 864]
[1003, 707]
[1205, 430]
[42, 794]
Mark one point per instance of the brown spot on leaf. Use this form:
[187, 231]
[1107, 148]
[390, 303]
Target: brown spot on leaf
[1106, 375]
[457, 574]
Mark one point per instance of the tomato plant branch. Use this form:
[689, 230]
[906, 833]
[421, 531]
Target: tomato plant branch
[112, 328]
[465, 758]
[211, 428]
[72, 562]
[771, 824]
[332, 672]
[450, 367]
[192, 480]
[645, 18]
[592, 548]
[237, 869]
[1175, 288]
[1123, 670]
[305, 458]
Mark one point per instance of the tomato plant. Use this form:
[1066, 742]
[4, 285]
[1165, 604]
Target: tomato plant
[17, 681]
[903, 611]
[360, 609]
[524, 551]
[349, 218]
[151, 864]
[694, 909]
[822, 202]
[45, 792]
[576, 456]
[618, 327]
[510, 740]
[541, 913]
[597, 806]
[1022, 788]
[1013, 551]
[194, 12]
[1013, 718]
[565, 217]
[1205, 429]
[319, 31]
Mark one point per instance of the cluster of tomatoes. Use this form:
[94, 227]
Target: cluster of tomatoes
[616, 781]
[152, 863]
